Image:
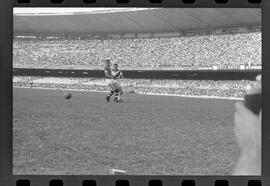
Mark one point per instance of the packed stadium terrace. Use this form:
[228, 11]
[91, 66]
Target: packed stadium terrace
[224, 89]
[192, 51]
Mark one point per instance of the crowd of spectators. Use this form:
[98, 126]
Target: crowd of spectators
[193, 51]
[144, 86]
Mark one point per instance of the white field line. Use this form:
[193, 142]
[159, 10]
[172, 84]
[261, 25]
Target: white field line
[115, 171]
[150, 94]
[189, 96]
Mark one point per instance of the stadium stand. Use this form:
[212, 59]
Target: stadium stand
[193, 51]
[145, 86]
[198, 50]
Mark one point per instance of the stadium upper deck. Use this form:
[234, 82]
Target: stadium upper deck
[210, 46]
[131, 20]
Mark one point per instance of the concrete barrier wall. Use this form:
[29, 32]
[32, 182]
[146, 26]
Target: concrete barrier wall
[144, 74]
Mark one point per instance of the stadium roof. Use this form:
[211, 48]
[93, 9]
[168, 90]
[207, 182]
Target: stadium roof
[133, 20]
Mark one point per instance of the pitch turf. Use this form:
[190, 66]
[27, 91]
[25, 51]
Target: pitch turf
[144, 135]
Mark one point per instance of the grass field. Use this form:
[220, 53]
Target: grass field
[144, 135]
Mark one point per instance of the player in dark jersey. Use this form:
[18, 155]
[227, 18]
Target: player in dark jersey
[108, 78]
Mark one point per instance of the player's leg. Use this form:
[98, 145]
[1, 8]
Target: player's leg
[109, 96]
[121, 91]
[111, 91]
[116, 95]
[117, 92]
[120, 95]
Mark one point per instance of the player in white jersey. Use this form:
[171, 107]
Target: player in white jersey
[112, 82]
[117, 74]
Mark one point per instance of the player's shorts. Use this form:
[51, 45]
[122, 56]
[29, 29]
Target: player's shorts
[109, 81]
[117, 84]
[113, 83]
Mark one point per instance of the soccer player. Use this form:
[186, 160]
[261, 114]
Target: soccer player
[109, 79]
[117, 74]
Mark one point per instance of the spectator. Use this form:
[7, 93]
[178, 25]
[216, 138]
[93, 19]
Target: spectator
[194, 51]
[176, 87]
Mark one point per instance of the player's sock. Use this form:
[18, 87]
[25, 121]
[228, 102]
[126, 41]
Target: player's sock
[119, 96]
[116, 94]
[108, 97]
[111, 93]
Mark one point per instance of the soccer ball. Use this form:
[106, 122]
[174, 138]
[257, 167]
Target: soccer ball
[68, 95]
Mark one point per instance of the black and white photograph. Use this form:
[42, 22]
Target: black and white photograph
[137, 91]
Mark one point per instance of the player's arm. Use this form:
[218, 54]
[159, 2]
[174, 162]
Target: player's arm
[108, 75]
[121, 75]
